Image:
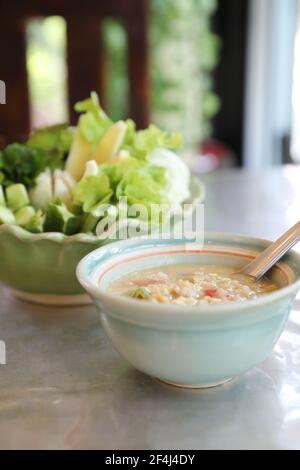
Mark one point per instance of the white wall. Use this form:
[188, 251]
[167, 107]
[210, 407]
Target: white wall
[295, 141]
[271, 31]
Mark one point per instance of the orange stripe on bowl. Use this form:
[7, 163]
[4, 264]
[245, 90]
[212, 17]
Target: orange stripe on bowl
[170, 252]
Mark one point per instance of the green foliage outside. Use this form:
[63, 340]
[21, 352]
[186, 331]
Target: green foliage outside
[183, 52]
[46, 45]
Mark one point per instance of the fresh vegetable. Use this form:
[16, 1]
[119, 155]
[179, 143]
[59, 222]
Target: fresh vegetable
[93, 190]
[46, 148]
[52, 187]
[81, 152]
[21, 164]
[60, 219]
[42, 193]
[70, 180]
[55, 140]
[91, 169]
[72, 225]
[177, 183]
[2, 197]
[24, 215]
[61, 189]
[94, 123]
[16, 196]
[131, 178]
[142, 293]
[116, 172]
[140, 186]
[6, 216]
[36, 223]
[98, 138]
[110, 143]
[141, 144]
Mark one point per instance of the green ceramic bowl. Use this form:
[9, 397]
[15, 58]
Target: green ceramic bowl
[185, 345]
[41, 267]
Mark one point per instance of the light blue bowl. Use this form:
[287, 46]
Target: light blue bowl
[189, 346]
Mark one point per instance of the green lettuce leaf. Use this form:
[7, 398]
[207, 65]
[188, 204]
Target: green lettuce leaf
[93, 190]
[177, 174]
[141, 144]
[159, 174]
[149, 181]
[94, 122]
[115, 172]
[55, 140]
[142, 186]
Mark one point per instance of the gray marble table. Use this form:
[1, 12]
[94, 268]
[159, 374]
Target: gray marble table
[64, 386]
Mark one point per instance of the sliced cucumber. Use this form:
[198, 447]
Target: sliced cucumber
[16, 196]
[60, 219]
[56, 216]
[36, 223]
[24, 215]
[98, 213]
[72, 225]
[89, 223]
[2, 197]
[6, 216]
[76, 209]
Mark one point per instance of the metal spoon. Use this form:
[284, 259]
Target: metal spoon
[265, 260]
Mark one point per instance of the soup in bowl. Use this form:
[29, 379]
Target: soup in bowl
[177, 312]
[191, 285]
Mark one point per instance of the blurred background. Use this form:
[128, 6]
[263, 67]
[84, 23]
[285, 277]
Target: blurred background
[225, 73]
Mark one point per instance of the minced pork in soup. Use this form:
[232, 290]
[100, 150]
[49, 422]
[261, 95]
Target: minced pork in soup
[191, 285]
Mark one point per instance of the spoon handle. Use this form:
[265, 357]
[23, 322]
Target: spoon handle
[263, 262]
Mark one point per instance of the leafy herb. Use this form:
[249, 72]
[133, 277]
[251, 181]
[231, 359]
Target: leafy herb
[21, 164]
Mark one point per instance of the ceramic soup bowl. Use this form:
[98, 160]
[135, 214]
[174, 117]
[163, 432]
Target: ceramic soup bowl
[189, 346]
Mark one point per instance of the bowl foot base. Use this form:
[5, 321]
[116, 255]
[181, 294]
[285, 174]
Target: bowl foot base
[195, 386]
[55, 300]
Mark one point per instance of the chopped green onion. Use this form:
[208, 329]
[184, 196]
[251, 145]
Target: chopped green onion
[142, 293]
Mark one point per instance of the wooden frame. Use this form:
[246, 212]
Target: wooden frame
[85, 57]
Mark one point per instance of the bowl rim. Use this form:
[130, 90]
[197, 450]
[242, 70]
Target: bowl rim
[230, 308]
[59, 237]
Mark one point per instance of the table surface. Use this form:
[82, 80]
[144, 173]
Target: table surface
[64, 386]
